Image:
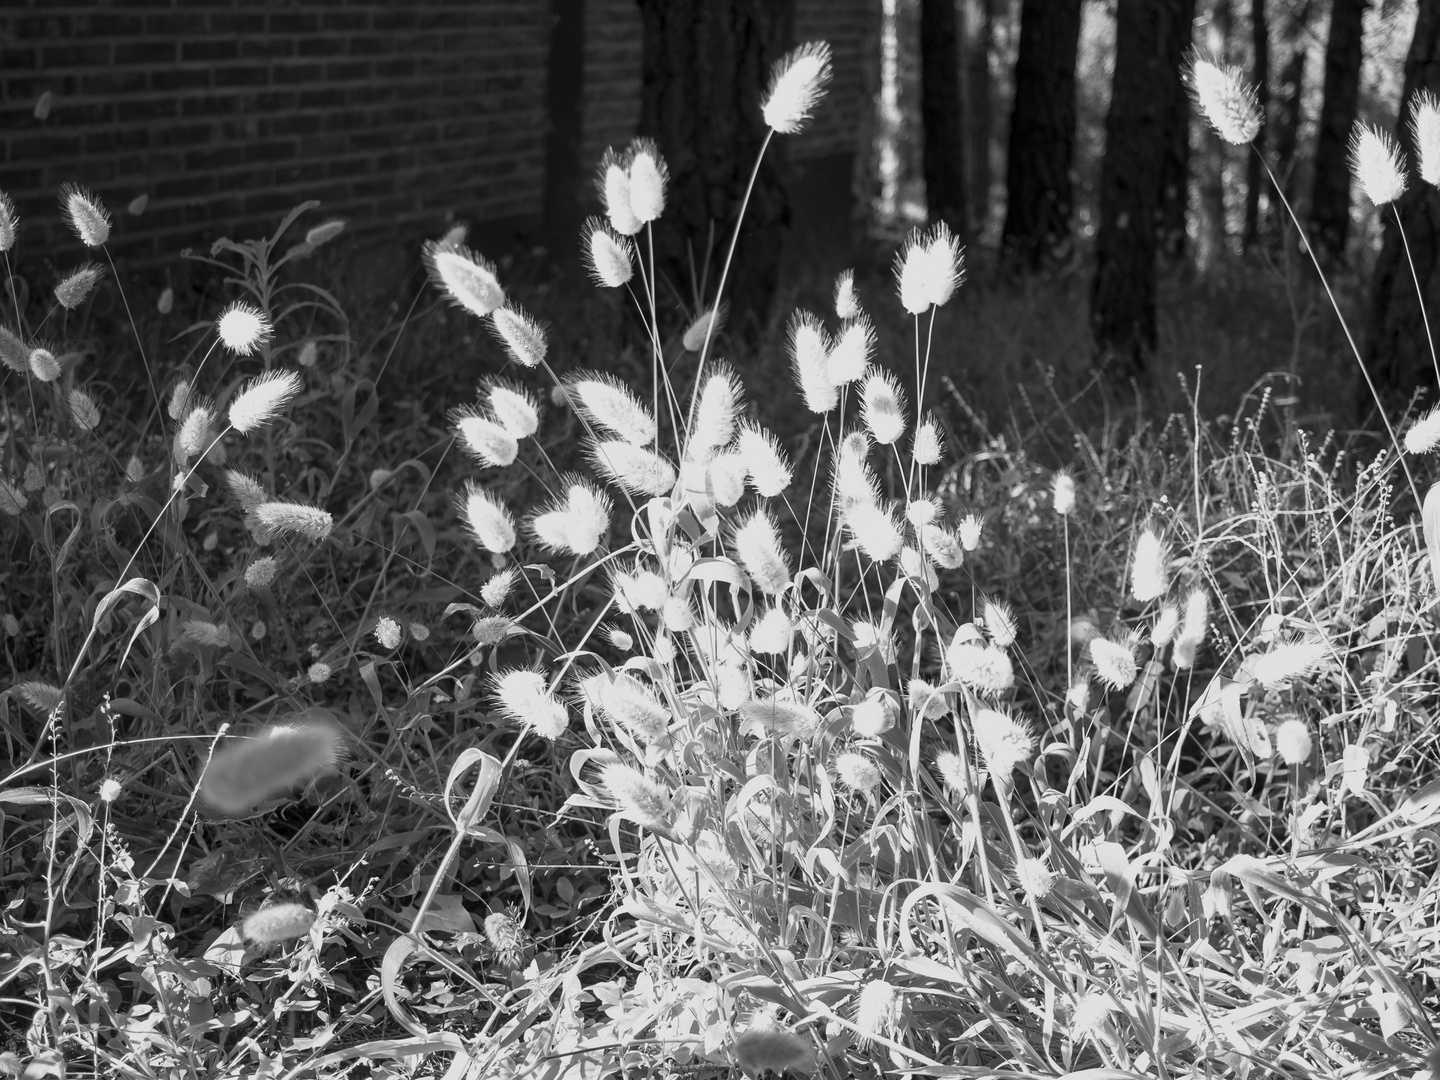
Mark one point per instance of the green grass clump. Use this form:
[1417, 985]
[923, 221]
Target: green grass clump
[643, 734]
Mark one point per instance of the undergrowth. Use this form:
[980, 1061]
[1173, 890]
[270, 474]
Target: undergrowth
[596, 730]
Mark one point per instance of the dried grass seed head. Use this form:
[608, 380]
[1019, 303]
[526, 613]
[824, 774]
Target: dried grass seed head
[985, 669]
[1375, 160]
[1227, 101]
[648, 177]
[278, 757]
[705, 327]
[609, 404]
[262, 400]
[772, 633]
[883, 408]
[9, 223]
[1062, 489]
[514, 407]
[613, 182]
[246, 490]
[487, 440]
[521, 334]
[635, 469]
[83, 410]
[809, 347]
[847, 299]
[857, 772]
[1114, 661]
[639, 798]
[1149, 567]
[466, 278]
[765, 462]
[243, 328]
[797, 83]
[875, 530]
[524, 698]
[1005, 741]
[275, 923]
[1423, 436]
[1425, 130]
[44, 365]
[757, 545]
[716, 412]
[609, 257]
[1293, 741]
[277, 519]
[13, 353]
[1287, 660]
[193, 437]
[490, 522]
[87, 216]
[78, 285]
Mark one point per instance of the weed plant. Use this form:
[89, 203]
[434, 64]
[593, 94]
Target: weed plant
[846, 757]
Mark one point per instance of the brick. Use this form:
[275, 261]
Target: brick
[180, 79]
[76, 54]
[147, 51]
[242, 76]
[208, 50]
[107, 81]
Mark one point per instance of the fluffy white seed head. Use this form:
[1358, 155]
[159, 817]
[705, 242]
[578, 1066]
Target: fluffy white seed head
[779, 717]
[1114, 661]
[9, 223]
[635, 469]
[1006, 742]
[13, 353]
[523, 337]
[87, 216]
[952, 770]
[809, 351]
[1293, 741]
[1423, 435]
[488, 441]
[857, 772]
[262, 399]
[246, 490]
[1375, 160]
[706, 327]
[847, 300]
[852, 350]
[639, 798]
[883, 408]
[942, 546]
[609, 404]
[1193, 627]
[77, 285]
[1062, 490]
[514, 408]
[854, 482]
[1149, 567]
[985, 669]
[261, 572]
[875, 530]
[243, 328]
[1424, 129]
[944, 264]
[875, 1009]
[648, 177]
[610, 257]
[179, 400]
[1167, 623]
[726, 474]
[1227, 101]
[626, 701]
[772, 633]
[874, 715]
[613, 183]
[797, 83]
[925, 700]
[193, 437]
[1037, 881]
[498, 586]
[388, 632]
[1287, 660]
[715, 414]
[576, 523]
[490, 523]
[918, 567]
[970, 528]
[44, 364]
[1000, 621]
[765, 462]
[467, 279]
[83, 410]
[278, 757]
[928, 445]
[911, 268]
[275, 923]
[271, 520]
[524, 698]
[326, 231]
[757, 546]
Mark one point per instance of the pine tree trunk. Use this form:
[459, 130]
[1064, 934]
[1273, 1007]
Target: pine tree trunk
[1330, 190]
[1399, 352]
[1255, 178]
[1138, 136]
[941, 111]
[1175, 173]
[1211, 233]
[705, 66]
[979, 35]
[1289, 109]
[1041, 190]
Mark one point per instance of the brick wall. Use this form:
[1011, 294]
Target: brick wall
[393, 113]
[227, 114]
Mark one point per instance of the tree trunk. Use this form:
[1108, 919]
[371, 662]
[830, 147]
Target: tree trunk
[1211, 234]
[1138, 133]
[1330, 190]
[1290, 107]
[565, 109]
[705, 64]
[1175, 172]
[1399, 352]
[940, 114]
[979, 34]
[1255, 178]
[1041, 189]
